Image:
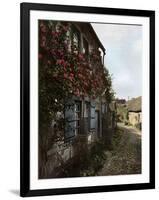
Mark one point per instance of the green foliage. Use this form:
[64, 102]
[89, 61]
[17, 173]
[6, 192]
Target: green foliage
[109, 92]
[94, 160]
[138, 126]
[122, 113]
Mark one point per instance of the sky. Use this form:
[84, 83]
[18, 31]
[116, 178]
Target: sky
[123, 59]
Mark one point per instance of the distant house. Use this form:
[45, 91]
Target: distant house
[135, 111]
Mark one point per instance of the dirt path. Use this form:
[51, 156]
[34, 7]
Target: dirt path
[125, 158]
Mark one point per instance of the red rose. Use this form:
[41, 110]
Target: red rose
[65, 75]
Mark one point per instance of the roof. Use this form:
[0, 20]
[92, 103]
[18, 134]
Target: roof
[134, 105]
[121, 101]
[100, 44]
[91, 29]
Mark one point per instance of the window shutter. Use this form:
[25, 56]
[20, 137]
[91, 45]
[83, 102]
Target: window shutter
[69, 119]
[92, 116]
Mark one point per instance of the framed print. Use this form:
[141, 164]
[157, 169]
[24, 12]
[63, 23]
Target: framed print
[87, 99]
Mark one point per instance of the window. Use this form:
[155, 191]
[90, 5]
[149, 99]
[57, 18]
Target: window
[72, 119]
[136, 118]
[86, 117]
[75, 39]
[85, 47]
[87, 109]
[77, 117]
[92, 115]
[69, 120]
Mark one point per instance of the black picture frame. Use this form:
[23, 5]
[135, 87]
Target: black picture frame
[25, 9]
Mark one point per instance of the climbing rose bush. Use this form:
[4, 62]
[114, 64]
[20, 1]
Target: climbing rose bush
[64, 71]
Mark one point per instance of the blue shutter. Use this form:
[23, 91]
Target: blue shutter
[92, 116]
[69, 119]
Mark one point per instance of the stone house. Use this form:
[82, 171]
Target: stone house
[135, 112]
[86, 119]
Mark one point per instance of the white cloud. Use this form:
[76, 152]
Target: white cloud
[137, 46]
[123, 58]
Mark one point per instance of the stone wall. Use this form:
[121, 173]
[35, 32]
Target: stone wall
[61, 154]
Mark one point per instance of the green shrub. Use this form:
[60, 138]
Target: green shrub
[138, 126]
[95, 160]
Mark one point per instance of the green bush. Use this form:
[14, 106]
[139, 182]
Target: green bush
[138, 126]
[95, 160]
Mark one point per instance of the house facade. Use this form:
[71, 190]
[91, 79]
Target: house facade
[135, 112]
[86, 119]
[84, 115]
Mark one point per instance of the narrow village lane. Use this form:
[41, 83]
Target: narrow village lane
[125, 156]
